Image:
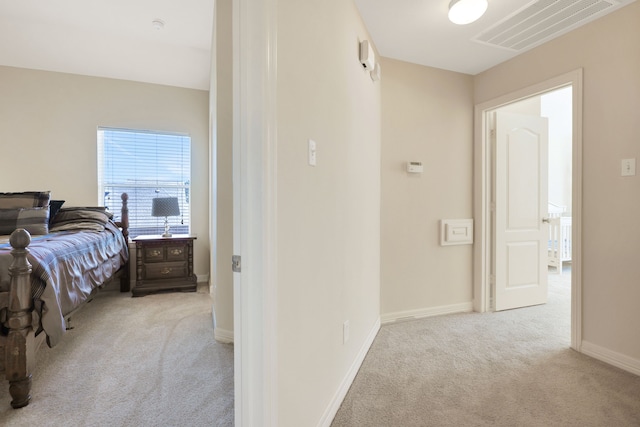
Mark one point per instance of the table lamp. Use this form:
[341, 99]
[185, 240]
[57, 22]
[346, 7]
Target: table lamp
[166, 207]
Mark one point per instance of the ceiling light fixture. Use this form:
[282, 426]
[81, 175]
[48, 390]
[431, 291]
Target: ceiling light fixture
[464, 12]
[158, 24]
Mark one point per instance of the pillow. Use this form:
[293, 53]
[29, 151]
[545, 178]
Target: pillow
[26, 199]
[34, 220]
[81, 218]
[54, 207]
[77, 226]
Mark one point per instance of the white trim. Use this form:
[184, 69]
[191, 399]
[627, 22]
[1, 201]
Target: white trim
[576, 220]
[481, 208]
[223, 336]
[241, 400]
[213, 154]
[202, 278]
[611, 357]
[464, 307]
[254, 211]
[338, 397]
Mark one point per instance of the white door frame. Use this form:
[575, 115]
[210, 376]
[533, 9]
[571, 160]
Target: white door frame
[254, 211]
[482, 195]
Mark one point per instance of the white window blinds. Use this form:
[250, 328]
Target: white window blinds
[145, 165]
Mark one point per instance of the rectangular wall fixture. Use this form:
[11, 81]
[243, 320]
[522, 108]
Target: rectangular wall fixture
[456, 232]
[367, 56]
[415, 167]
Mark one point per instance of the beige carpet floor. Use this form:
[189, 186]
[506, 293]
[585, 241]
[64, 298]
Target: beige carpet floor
[149, 361]
[152, 361]
[512, 368]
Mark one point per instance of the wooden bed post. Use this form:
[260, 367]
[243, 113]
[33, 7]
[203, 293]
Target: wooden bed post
[125, 277]
[124, 220]
[20, 349]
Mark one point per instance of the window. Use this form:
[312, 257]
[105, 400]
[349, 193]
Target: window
[145, 165]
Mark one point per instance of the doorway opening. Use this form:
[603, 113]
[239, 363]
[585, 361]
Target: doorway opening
[529, 229]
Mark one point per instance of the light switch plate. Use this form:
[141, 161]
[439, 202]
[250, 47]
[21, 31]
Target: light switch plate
[312, 153]
[628, 167]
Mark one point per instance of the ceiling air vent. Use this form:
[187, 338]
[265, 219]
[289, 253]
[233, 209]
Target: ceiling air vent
[543, 20]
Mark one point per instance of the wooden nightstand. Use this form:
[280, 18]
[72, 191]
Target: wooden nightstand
[164, 264]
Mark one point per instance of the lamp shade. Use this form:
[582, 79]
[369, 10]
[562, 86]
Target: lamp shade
[463, 12]
[165, 206]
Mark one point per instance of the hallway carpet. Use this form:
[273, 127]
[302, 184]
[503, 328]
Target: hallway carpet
[512, 368]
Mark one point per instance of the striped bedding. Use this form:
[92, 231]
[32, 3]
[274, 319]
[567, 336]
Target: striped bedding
[67, 266]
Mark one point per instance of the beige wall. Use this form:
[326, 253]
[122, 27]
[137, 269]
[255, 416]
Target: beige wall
[427, 116]
[48, 124]
[607, 50]
[222, 185]
[329, 215]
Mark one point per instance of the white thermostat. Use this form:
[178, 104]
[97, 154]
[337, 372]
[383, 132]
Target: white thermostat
[415, 167]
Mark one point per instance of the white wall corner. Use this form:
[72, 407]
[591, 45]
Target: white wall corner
[611, 357]
[338, 397]
[464, 307]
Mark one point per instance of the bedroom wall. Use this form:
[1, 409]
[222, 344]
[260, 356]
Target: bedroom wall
[48, 124]
[427, 116]
[329, 215]
[607, 50]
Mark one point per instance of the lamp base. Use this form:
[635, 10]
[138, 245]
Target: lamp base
[166, 227]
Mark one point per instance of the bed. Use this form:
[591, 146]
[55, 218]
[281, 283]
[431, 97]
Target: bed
[47, 277]
[559, 249]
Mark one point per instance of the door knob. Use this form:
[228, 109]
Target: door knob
[547, 220]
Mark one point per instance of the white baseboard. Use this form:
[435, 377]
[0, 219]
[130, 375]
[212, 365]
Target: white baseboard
[223, 336]
[332, 410]
[465, 307]
[618, 360]
[202, 278]
[220, 335]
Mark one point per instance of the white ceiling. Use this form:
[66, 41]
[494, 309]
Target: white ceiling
[116, 38]
[110, 38]
[419, 31]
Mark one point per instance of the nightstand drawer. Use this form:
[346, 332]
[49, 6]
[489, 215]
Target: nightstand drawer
[153, 253]
[167, 270]
[177, 252]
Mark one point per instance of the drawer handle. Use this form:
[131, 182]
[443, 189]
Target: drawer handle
[165, 271]
[176, 251]
[156, 252]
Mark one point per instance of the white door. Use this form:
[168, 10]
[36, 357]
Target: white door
[521, 193]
